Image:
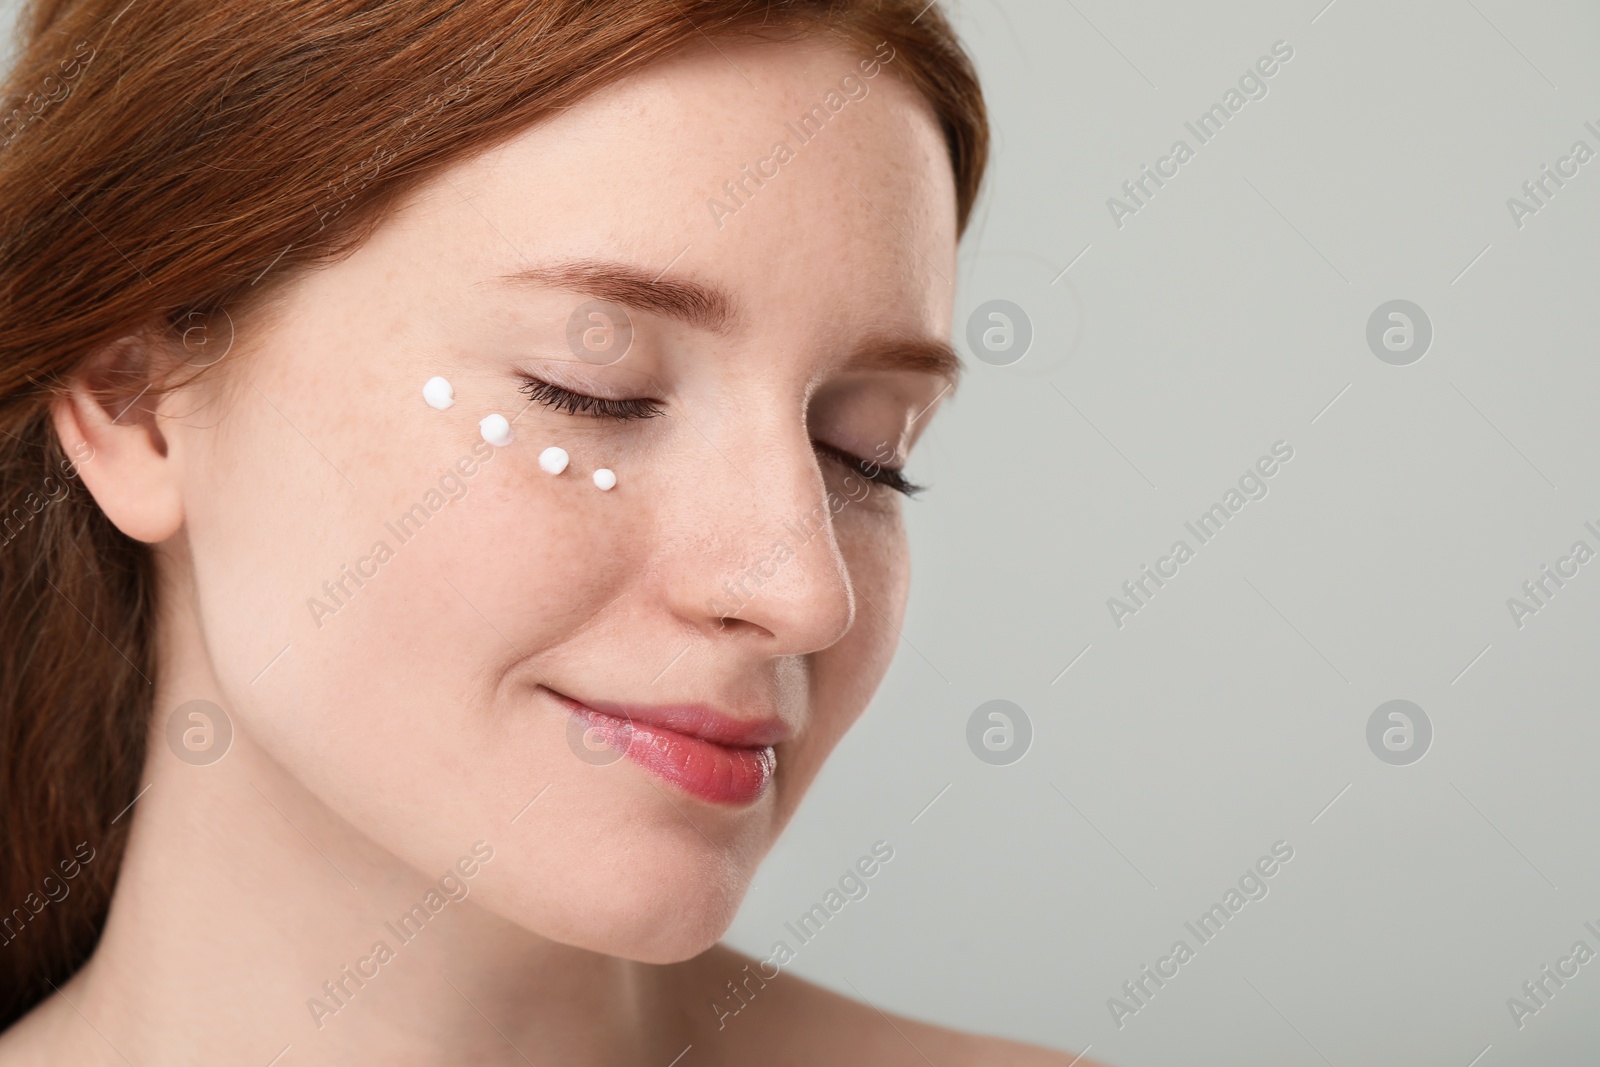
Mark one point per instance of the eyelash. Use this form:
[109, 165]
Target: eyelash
[872, 472]
[558, 399]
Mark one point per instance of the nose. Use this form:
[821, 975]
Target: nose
[759, 561]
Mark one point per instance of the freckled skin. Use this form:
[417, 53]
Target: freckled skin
[405, 719]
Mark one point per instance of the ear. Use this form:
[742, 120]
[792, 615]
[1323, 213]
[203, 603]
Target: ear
[106, 421]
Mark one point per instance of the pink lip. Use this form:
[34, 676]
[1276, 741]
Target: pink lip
[706, 753]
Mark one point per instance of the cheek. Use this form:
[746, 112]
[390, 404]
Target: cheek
[873, 541]
[398, 611]
[511, 569]
[872, 538]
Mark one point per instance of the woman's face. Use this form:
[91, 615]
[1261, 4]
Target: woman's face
[447, 605]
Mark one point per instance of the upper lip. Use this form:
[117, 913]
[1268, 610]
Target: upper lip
[693, 720]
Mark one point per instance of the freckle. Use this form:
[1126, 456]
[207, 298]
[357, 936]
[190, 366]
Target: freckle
[553, 460]
[495, 429]
[438, 393]
[604, 479]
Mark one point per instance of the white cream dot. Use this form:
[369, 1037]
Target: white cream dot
[495, 429]
[604, 479]
[553, 460]
[438, 393]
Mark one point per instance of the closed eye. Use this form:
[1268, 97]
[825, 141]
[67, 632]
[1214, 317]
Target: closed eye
[872, 472]
[573, 403]
[558, 399]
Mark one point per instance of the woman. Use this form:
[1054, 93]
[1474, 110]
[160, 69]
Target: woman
[453, 397]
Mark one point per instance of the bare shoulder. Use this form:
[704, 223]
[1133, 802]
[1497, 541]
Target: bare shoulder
[796, 1023]
[943, 1046]
[51, 1034]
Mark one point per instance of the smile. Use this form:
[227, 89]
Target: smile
[707, 754]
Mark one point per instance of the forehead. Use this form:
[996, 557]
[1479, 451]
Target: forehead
[804, 177]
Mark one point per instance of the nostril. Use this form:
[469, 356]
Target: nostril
[726, 623]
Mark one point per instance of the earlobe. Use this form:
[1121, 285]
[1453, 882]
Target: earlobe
[106, 419]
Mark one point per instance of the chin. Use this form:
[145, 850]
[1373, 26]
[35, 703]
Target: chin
[652, 913]
[630, 875]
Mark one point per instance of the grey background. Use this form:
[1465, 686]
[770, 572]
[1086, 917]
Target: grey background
[1228, 714]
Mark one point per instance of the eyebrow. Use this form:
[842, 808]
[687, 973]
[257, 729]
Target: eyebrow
[702, 306]
[714, 310]
[926, 355]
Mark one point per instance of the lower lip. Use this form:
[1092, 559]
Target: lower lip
[721, 774]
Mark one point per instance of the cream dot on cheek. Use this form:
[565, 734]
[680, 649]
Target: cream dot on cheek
[604, 479]
[495, 429]
[438, 393]
[553, 460]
